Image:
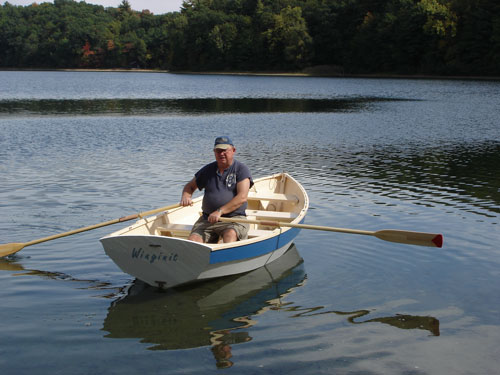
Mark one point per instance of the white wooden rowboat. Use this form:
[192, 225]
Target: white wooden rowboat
[156, 250]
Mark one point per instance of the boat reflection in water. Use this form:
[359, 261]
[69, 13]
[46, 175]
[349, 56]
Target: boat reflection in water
[215, 313]
[210, 313]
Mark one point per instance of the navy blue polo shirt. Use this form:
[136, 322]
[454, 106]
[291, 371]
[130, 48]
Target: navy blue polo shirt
[220, 189]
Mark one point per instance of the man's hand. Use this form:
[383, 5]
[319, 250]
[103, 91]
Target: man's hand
[214, 216]
[187, 193]
[186, 200]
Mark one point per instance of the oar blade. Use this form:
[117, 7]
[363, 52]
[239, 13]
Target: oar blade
[10, 248]
[411, 238]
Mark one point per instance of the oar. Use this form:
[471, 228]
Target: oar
[14, 247]
[392, 235]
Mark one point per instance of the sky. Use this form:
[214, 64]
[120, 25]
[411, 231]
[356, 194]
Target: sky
[155, 6]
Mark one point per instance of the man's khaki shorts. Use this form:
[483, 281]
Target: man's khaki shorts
[211, 232]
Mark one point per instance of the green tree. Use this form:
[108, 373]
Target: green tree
[288, 39]
[476, 48]
[223, 36]
[389, 40]
[125, 7]
[441, 20]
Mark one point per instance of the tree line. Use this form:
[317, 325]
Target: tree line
[440, 37]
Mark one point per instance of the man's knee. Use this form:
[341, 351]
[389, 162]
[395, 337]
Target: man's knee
[195, 237]
[229, 235]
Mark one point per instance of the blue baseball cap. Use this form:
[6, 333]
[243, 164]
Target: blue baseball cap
[223, 142]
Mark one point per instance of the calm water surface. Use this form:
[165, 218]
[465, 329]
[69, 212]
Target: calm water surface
[81, 148]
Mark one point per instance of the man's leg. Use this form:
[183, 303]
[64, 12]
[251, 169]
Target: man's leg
[199, 231]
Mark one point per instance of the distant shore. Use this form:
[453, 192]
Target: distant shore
[305, 73]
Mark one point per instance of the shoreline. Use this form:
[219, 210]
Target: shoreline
[262, 73]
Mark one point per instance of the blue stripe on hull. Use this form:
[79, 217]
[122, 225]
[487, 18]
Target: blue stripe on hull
[255, 249]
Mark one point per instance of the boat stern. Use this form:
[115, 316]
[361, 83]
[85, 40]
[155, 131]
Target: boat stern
[164, 262]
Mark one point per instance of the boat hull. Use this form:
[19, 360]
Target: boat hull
[168, 262]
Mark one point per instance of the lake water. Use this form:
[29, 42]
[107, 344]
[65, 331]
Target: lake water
[80, 148]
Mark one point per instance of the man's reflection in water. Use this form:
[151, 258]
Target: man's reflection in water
[221, 346]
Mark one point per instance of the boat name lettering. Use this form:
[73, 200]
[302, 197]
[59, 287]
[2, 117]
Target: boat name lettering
[154, 256]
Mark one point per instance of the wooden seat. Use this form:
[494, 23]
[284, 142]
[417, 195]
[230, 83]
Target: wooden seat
[258, 232]
[272, 214]
[172, 230]
[277, 197]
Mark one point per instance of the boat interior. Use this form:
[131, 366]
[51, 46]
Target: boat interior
[275, 198]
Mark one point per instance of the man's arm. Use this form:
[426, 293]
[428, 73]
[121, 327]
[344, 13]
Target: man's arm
[240, 198]
[187, 192]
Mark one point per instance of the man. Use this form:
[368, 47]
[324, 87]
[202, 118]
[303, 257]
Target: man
[226, 182]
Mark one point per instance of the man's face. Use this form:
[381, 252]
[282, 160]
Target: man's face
[224, 157]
